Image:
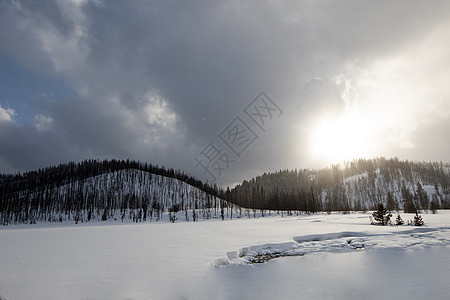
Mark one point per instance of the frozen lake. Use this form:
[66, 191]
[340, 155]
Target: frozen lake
[177, 261]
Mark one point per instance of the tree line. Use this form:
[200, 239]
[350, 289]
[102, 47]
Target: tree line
[107, 189]
[131, 190]
[358, 185]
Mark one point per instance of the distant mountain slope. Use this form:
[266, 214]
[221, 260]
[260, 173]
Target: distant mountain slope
[357, 185]
[106, 190]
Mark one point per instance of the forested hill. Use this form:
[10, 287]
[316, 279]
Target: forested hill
[356, 185]
[103, 190]
[70, 172]
[139, 192]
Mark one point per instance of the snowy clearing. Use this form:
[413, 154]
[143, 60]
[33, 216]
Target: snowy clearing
[333, 256]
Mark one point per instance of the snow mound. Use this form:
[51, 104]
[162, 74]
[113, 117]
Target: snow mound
[417, 238]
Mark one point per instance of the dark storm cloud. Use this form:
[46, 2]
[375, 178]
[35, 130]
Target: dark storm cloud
[196, 64]
[25, 148]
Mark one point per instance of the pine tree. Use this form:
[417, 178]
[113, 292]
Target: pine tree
[381, 215]
[409, 207]
[434, 206]
[390, 204]
[422, 196]
[399, 220]
[418, 220]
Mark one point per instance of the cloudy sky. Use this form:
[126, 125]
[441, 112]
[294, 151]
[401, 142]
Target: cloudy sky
[176, 83]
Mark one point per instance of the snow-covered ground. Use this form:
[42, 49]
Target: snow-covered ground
[333, 257]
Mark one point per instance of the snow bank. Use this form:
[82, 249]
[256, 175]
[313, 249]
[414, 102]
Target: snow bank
[338, 242]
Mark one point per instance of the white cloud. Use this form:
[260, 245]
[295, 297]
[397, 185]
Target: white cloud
[158, 112]
[6, 114]
[43, 123]
[349, 93]
[152, 122]
[400, 93]
[66, 51]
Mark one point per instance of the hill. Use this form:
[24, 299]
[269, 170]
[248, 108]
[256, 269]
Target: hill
[358, 185]
[106, 190]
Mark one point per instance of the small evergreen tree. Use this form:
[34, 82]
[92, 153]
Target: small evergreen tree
[381, 215]
[422, 196]
[409, 207]
[390, 204]
[418, 220]
[434, 206]
[399, 220]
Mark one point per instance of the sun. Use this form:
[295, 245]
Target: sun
[338, 139]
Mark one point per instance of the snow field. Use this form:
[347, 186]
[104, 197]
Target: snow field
[179, 261]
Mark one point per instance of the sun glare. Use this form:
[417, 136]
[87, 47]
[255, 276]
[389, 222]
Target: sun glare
[338, 139]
